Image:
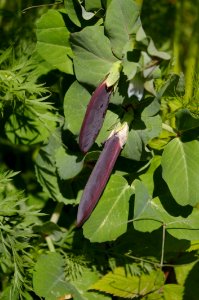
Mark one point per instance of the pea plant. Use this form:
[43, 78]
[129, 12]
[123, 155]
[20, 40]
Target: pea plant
[116, 155]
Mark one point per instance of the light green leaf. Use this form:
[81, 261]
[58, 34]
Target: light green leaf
[68, 166]
[180, 163]
[121, 17]
[92, 52]
[146, 212]
[185, 228]
[49, 279]
[75, 104]
[173, 292]
[154, 52]
[114, 74]
[110, 122]
[53, 41]
[109, 218]
[120, 284]
[93, 4]
[148, 176]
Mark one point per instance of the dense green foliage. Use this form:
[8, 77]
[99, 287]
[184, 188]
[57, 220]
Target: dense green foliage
[142, 239]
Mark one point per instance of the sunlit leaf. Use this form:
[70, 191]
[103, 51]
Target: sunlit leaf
[120, 284]
[109, 218]
[180, 170]
[53, 41]
[92, 52]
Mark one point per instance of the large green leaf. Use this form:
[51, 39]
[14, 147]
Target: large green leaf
[120, 284]
[109, 218]
[53, 41]
[180, 163]
[49, 278]
[92, 55]
[149, 215]
[121, 17]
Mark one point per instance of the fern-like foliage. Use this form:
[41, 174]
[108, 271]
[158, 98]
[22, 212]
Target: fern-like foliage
[28, 116]
[16, 238]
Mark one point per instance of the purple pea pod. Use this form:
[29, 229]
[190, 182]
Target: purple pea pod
[101, 172]
[94, 117]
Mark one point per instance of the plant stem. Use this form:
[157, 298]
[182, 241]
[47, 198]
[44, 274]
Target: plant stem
[54, 218]
[163, 244]
[57, 212]
[176, 39]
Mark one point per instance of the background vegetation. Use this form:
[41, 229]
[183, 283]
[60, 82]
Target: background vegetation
[42, 172]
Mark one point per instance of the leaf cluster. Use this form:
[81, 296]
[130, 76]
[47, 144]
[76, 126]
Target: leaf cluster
[141, 240]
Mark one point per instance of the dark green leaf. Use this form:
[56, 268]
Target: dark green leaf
[92, 52]
[49, 279]
[121, 17]
[185, 120]
[73, 10]
[68, 165]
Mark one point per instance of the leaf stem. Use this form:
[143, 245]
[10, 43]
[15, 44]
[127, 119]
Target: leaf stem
[163, 245]
[57, 212]
[54, 218]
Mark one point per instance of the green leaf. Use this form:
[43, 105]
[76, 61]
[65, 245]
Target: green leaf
[53, 41]
[109, 218]
[93, 4]
[185, 120]
[68, 165]
[180, 170]
[173, 292]
[45, 167]
[121, 17]
[120, 284]
[140, 135]
[83, 282]
[149, 215]
[146, 214]
[49, 279]
[75, 104]
[110, 121]
[92, 52]
[24, 127]
[148, 177]
[154, 52]
[73, 9]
